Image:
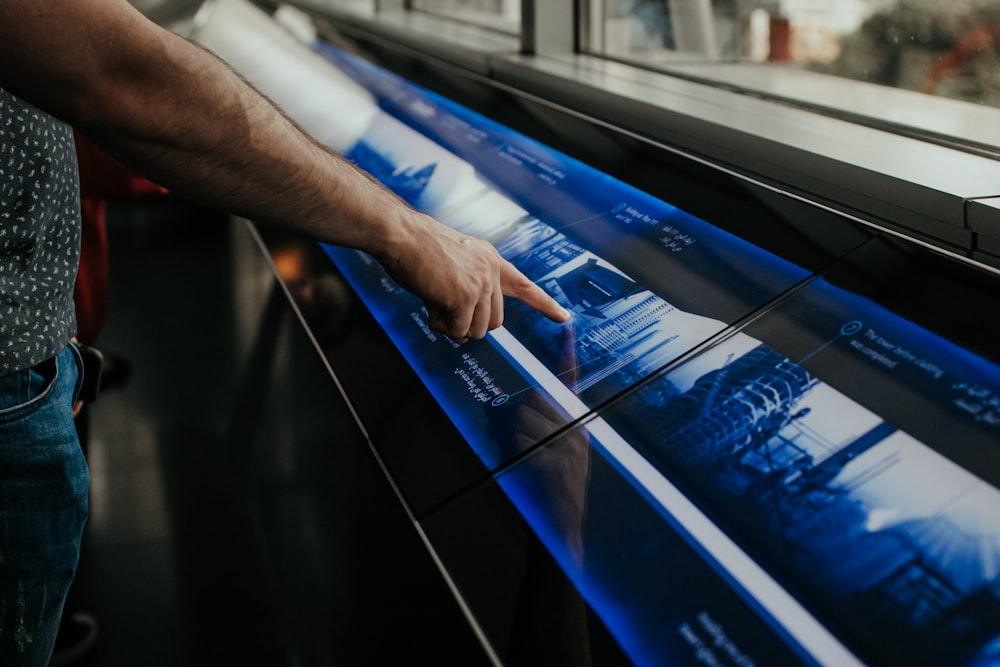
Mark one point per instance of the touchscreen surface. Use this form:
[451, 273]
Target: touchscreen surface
[645, 281]
[818, 459]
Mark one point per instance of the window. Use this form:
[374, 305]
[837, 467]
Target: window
[807, 51]
[504, 15]
[361, 7]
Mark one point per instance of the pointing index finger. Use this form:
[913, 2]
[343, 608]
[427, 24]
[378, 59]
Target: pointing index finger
[516, 284]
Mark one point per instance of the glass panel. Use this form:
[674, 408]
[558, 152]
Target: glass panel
[498, 14]
[659, 30]
[945, 49]
[849, 451]
[818, 488]
[366, 7]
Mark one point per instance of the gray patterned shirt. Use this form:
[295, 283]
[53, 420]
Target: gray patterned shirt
[39, 234]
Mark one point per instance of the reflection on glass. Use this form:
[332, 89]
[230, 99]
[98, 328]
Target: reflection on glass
[948, 49]
[499, 14]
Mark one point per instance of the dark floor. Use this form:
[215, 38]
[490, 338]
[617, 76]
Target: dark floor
[214, 541]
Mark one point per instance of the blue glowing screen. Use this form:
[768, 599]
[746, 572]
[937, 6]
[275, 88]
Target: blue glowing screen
[807, 489]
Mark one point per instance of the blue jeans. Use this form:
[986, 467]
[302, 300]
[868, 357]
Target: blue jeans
[43, 506]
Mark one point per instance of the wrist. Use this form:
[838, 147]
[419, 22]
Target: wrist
[397, 234]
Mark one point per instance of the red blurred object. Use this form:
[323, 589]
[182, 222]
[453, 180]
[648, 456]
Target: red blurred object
[101, 178]
[977, 42]
[781, 40]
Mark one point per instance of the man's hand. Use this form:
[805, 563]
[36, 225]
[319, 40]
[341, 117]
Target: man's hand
[461, 279]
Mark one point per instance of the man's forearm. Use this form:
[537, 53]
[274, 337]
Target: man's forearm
[222, 143]
[225, 145]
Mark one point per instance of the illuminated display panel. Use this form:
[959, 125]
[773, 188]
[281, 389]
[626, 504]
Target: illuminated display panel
[645, 281]
[780, 468]
[830, 461]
